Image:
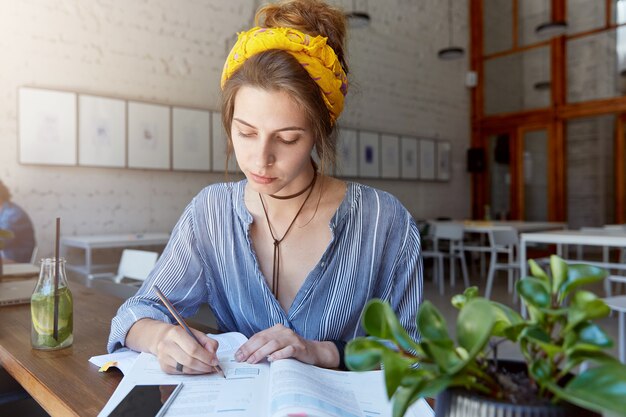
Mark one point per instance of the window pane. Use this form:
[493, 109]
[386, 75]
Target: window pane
[517, 81]
[584, 15]
[532, 13]
[590, 170]
[618, 11]
[535, 165]
[499, 176]
[497, 24]
[596, 66]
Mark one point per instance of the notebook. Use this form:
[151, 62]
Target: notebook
[16, 292]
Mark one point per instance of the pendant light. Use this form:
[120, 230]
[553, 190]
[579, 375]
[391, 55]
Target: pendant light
[450, 52]
[551, 28]
[545, 83]
[357, 18]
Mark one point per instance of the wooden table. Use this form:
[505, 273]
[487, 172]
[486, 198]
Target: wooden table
[63, 382]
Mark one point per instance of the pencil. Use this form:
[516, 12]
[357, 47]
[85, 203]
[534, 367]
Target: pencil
[182, 323]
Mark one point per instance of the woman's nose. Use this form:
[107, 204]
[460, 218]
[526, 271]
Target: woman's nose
[265, 154]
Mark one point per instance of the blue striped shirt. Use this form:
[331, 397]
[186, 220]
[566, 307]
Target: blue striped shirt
[374, 252]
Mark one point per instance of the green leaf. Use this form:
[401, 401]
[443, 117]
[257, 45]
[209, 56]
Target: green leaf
[537, 272]
[534, 291]
[395, 367]
[585, 305]
[538, 336]
[474, 325]
[380, 320]
[602, 389]
[445, 357]
[458, 301]
[505, 318]
[364, 354]
[405, 396]
[559, 272]
[591, 334]
[540, 370]
[598, 357]
[432, 325]
[580, 275]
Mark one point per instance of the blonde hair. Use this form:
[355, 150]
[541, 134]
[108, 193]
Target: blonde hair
[278, 70]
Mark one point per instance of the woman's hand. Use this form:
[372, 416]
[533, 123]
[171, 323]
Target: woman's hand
[279, 342]
[172, 346]
[177, 347]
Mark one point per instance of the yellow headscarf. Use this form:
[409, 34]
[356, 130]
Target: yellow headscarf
[313, 53]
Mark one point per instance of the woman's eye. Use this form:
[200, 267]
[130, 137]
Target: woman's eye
[289, 141]
[246, 135]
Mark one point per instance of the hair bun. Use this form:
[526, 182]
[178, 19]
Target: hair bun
[313, 17]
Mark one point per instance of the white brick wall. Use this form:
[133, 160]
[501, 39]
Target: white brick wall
[172, 52]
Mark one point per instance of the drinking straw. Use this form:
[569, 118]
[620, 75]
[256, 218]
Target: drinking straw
[55, 331]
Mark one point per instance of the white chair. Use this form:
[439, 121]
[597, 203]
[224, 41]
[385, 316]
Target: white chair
[450, 234]
[618, 304]
[503, 241]
[134, 264]
[426, 238]
[33, 256]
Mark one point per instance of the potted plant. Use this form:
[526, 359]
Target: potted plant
[558, 336]
[4, 234]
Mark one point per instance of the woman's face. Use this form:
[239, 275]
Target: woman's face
[272, 141]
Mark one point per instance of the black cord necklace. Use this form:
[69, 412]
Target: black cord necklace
[277, 242]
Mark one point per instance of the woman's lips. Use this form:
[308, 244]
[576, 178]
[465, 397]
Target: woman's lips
[261, 179]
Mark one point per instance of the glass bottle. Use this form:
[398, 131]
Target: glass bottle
[42, 308]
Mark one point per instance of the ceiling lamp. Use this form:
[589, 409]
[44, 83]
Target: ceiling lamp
[551, 29]
[357, 18]
[542, 85]
[450, 52]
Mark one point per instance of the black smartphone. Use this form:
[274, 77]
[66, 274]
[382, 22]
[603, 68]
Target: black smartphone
[147, 401]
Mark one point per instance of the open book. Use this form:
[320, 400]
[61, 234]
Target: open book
[280, 389]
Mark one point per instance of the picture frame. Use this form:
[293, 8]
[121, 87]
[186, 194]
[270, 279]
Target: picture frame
[191, 139]
[148, 136]
[427, 159]
[390, 156]
[47, 127]
[101, 132]
[409, 162]
[369, 154]
[220, 146]
[347, 153]
[444, 149]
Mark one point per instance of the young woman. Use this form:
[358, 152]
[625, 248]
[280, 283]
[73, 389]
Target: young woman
[289, 256]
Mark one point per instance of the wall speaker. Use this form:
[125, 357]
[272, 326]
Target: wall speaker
[476, 160]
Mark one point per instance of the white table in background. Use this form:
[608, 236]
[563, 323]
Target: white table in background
[90, 243]
[597, 237]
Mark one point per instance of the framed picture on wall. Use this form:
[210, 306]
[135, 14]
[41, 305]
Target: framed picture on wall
[191, 139]
[47, 127]
[369, 155]
[220, 146]
[409, 158]
[101, 132]
[390, 156]
[148, 136]
[427, 159]
[347, 153]
[443, 160]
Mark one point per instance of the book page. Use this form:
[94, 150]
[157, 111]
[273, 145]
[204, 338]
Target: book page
[242, 393]
[300, 389]
[306, 390]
